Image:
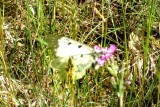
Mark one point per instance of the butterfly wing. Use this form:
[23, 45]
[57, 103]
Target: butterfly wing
[83, 57]
[68, 47]
[82, 64]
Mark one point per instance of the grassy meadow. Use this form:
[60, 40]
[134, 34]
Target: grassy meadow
[131, 78]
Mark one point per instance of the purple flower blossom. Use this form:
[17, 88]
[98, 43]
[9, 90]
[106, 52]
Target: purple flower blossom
[107, 53]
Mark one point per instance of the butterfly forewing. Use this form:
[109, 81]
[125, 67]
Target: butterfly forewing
[69, 47]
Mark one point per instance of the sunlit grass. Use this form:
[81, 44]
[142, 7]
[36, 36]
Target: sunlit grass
[130, 78]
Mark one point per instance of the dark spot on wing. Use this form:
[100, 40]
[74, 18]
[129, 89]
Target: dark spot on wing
[79, 46]
[69, 43]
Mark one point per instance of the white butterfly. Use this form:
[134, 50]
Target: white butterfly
[82, 56]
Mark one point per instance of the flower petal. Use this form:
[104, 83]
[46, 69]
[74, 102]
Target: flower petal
[97, 48]
[108, 53]
[111, 49]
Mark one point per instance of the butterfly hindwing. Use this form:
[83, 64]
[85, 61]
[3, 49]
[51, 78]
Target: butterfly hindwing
[82, 64]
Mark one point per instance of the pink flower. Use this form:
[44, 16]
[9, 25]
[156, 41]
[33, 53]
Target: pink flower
[98, 49]
[107, 53]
